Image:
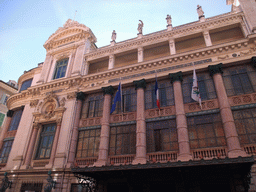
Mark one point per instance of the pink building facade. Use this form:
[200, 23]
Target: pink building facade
[62, 123]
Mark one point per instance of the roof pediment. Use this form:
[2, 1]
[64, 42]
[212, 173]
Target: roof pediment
[72, 31]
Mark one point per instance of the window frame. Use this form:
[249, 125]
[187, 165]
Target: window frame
[26, 84]
[15, 121]
[59, 66]
[48, 135]
[5, 151]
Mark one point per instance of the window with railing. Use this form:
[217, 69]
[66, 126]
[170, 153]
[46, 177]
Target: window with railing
[128, 102]
[88, 143]
[122, 140]
[93, 106]
[5, 151]
[206, 131]
[239, 80]
[166, 96]
[245, 121]
[46, 141]
[15, 120]
[162, 136]
[205, 84]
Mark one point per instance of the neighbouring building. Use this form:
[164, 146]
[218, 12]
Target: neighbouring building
[6, 90]
[60, 120]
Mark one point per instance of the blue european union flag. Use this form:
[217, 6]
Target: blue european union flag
[117, 98]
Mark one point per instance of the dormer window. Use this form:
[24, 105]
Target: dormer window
[61, 67]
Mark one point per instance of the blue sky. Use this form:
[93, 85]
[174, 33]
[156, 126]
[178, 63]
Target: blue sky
[25, 25]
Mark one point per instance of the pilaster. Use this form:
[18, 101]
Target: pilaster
[181, 120]
[140, 54]
[233, 144]
[172, 46]
[80, 96]
[111, 62]
[207, 38]
[105, 128]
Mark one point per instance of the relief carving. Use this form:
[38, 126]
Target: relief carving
[34, 103]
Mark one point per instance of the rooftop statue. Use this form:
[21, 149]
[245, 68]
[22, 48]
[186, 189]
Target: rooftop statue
[169, 20]
[140, 27]
[200, 11]
[113, 37]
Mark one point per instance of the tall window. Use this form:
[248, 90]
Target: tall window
[129, 101]
[93, 106]
[165, 94]
[245, 121]
[46, 140]
[88, 143]
[1, 118]
[205, 84]
[61, 67]
[122, 140]
[206, 131]
[239, 80]
[15, 120]
[162, 136]
[26, 84]
[7, 146]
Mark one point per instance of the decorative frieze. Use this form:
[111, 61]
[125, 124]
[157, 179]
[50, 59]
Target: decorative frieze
[242, 99]
[33, 103]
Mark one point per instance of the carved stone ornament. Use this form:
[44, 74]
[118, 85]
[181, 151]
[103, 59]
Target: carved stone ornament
[50, 109]
[33, 103]
[71, 95]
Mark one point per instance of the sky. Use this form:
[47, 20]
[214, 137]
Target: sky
[25, 25]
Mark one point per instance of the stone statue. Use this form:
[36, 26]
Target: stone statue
[140, 27]
[113, 37]
[200, 11]
[169, 20]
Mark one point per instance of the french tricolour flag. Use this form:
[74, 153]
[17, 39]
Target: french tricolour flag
[157, 95]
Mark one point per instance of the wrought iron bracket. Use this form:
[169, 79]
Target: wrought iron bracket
[86, 182]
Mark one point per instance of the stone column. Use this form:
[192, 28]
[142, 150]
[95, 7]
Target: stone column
[80, 96]
[141, 145]
[233, 144]
[111, 62]
[78, 62]
[207, 38]
[181, 120]
[6, 126]
[31, 146]
[105, 128]
[55, 143]
[172, 46]
[140, 54]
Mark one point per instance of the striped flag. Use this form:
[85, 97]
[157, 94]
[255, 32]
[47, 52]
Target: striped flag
[118, 97]
[157, 95]
[195, 94]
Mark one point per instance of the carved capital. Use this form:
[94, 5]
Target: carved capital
[253, 62]
[108, 90]
[176, 76]
[80, 96]
[140, 84]
[214, 69]
[10, 113]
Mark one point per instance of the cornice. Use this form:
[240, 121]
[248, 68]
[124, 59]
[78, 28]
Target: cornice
[179, 31]
[177, 62]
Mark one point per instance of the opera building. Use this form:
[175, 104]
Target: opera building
[60, 134]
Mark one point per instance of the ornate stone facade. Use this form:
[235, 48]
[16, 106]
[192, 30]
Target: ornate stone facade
[65, 124]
